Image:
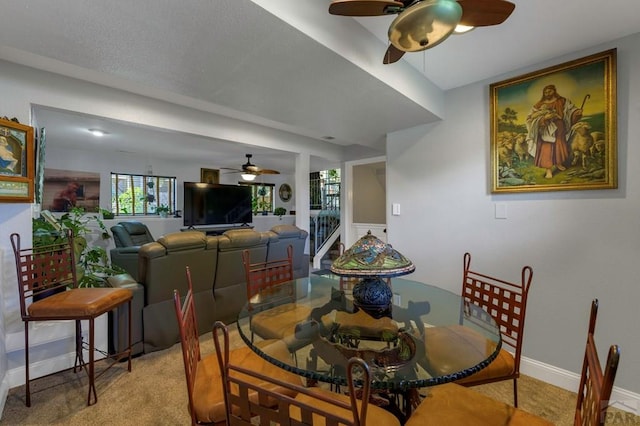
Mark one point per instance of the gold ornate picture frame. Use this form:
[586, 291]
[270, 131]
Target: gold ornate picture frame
[16, 162]
[209, 175]
[555, 129]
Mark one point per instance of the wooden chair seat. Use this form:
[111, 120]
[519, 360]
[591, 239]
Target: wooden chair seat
[503, 365]
[79, 303]
[376, 416]
[279, 322]
[208, 395]
[452, 404]
[367, 326]
[454, 348]
[456, 405]
[310, 406]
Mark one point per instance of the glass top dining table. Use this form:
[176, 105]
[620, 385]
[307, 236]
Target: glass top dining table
[428, 336]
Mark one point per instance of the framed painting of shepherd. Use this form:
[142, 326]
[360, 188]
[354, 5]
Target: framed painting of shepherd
[16, 162]
[555, 129]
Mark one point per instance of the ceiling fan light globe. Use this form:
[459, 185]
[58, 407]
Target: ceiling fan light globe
[248, 177]
[424, 25]
[462, 29]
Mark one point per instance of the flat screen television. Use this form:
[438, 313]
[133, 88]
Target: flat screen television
[213, 204]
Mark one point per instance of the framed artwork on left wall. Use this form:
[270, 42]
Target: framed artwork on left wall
[16, 162]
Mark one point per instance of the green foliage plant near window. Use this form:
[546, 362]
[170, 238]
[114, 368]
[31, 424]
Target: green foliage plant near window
[142, 194]
[92, 263]
[163, 210]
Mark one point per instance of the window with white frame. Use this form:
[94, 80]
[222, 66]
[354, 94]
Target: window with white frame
[142, 194]
[261, 196]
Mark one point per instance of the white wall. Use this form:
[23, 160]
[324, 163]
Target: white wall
[184, 171]
[581, 244]
[369, 193]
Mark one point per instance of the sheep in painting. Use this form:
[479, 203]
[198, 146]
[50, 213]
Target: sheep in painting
[505, 148]
[581, 143]
[521, 147]
[597, 150]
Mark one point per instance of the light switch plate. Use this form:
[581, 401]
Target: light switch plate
[501, 210]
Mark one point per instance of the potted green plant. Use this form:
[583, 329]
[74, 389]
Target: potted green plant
[92, 262]
[163, 210]
[280, 211]
[106, 214]
[263, 206]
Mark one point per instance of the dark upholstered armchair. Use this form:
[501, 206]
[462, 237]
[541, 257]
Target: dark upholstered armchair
[127, 234]
[128, 237]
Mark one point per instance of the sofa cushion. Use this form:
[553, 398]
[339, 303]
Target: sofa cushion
[178, 241]
[289, 231]
[240, 238]
[280, 237]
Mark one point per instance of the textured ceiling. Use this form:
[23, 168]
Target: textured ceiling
[286, 63]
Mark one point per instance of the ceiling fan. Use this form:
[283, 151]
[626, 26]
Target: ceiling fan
[250, 171]
[422, 24]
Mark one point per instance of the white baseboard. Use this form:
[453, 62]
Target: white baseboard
[15, 376]
[620, 398]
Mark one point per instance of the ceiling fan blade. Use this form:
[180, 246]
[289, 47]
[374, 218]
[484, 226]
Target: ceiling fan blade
[268, 172]
[229, 168]
[393, 54]
[364, 7]
[483, 13]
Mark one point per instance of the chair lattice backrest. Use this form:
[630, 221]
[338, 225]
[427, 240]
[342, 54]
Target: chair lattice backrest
[595, 385]
[262, 276]
[278, 408]
[189, 339]
[505, 301]
[44, 270]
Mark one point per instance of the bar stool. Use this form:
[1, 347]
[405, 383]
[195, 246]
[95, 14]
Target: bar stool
[48, 290]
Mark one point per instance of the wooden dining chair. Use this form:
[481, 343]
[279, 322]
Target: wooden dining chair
[262, 278]
[595, 386]
[453, 404]
[206, 399]
[48, 291]
[506, 302]
[309, 406]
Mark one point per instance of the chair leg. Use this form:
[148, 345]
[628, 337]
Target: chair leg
[26, 365]
[92, 384]
[79, 361]
[515, 393]
[130, 350]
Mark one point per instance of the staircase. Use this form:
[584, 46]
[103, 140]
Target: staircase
[324, 235]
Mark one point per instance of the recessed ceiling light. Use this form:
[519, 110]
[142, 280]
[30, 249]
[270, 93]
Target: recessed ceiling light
[97, 132]
[328, 138]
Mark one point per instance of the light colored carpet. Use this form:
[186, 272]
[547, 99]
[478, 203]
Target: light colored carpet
[154, 393]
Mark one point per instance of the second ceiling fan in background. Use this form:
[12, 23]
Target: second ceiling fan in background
[422, 24]
[249, 171]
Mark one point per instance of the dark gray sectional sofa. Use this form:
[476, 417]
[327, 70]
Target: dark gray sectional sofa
[217, 275]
